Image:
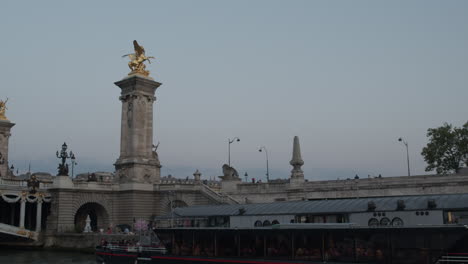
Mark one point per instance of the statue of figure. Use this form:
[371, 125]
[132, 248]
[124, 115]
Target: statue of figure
[63, 170]
[3, 109]
[229, 173]
[155, 153]
[87, 228]
[137, 60]
[33, 184]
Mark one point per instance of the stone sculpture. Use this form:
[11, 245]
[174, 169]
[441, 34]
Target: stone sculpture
[87, 228]
[3, 109]
[229, 173]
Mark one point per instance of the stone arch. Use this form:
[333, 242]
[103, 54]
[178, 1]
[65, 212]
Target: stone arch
[98, 214]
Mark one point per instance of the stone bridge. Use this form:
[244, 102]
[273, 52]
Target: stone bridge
[21, 212]
[66, 203]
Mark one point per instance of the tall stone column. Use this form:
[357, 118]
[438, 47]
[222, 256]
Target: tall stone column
[22, 211]
[39, 215]
[137, 162]
[5, 127]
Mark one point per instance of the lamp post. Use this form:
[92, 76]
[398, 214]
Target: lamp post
[407, 153]
[73, 162]
[266, 153]
[63, 155]
[229, 148]
[2, 160]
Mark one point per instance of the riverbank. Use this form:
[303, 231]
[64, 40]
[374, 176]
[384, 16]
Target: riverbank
[82, 241]
[36, 255]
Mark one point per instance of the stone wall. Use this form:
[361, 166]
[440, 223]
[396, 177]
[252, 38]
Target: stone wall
[352, 188]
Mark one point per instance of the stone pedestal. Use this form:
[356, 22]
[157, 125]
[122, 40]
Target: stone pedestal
[5, 127]
[62, 182]
[137, 162]
[230, 186]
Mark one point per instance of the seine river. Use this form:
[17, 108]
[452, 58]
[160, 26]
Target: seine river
[33, 256]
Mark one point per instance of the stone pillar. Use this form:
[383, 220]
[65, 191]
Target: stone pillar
[137, 162]
[297, 175]
[5, 127]
[197, 176]
[39, 215]
[22, 211]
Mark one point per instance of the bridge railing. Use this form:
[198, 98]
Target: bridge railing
[223, 198]
[23, 183]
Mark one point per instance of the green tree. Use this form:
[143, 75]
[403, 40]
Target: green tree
[447, 150]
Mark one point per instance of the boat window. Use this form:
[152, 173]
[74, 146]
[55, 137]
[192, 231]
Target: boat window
[370, 247]
[266, 223]
[258, 223]
[373, 222]
[384, 221]
[308, 245]
[397, 221]
[339, 247]
[454, 217]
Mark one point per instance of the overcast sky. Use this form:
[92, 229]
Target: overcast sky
[348, 77]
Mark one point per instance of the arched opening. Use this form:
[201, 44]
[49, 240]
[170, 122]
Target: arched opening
[9, 212]
[97, 214]
[373, 222]
[258, 223]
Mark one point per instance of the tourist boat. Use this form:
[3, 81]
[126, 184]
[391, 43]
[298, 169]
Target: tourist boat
[420, 229]
[297, 243]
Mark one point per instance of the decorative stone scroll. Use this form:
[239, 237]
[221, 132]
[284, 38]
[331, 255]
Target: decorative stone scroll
[7, 197]
[15, 197]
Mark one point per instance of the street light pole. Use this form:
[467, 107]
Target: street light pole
[266, 153]
[63, 155]
[229, 148]
[73, 163]
[407, 153]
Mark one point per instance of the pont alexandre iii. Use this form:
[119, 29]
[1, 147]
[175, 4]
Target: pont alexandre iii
[42, 209]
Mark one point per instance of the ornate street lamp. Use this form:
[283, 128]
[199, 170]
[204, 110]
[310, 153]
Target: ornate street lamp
[266, 153]
[229, 148]
[407, 153]
[63, 155]
[2, 160]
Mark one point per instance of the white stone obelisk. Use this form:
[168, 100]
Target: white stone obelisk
[297, 175]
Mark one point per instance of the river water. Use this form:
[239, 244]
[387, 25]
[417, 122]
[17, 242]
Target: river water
[34, 256]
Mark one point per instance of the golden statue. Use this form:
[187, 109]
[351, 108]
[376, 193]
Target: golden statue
[137, 60]
[3, 109]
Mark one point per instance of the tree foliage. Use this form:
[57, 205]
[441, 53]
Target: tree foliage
[447, 150]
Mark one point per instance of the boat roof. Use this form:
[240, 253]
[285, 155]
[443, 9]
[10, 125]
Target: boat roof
[322, 226]
[419, 202]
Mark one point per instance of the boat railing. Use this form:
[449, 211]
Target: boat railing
[453, 258]
[135, 248]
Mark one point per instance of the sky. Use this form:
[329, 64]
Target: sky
[347, 77]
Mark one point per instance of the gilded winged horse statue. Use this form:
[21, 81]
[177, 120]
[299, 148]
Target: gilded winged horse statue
[137, 60]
